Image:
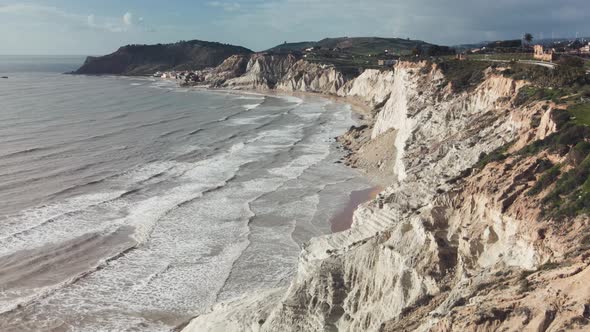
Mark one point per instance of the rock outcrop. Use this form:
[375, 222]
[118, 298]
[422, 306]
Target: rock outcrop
[282, 72]
[446, 247]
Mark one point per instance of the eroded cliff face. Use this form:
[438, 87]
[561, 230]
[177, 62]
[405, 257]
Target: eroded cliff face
[279, 72]
[445, 247]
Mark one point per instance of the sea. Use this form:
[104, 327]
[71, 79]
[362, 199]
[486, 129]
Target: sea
[131, 204]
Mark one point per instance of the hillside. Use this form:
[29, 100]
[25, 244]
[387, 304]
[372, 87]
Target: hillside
[147, 59]
[358, 45]
[353, 55]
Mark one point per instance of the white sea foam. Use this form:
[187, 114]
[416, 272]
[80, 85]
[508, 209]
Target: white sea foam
[29, 220]
[250, 120]
[250, 95]
[251, 106]
[193, 221]
[292, 99]
[236, 147]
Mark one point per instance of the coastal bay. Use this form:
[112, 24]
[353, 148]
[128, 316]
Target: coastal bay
[161, 201]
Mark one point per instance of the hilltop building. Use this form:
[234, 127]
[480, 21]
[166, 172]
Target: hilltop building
[544, 55]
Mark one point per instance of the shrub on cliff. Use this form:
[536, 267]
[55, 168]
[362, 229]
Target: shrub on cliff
[545, 180]
[571, 195]
[532, 93]
[581, 113]
[571, 61]
[560, 142]
[497, 155]
[464, 75]
[561, 76]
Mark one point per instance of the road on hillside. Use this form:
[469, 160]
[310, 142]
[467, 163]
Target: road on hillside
[539, 63]
[527, 62]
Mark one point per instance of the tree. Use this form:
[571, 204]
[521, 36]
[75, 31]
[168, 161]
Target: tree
[528, 38]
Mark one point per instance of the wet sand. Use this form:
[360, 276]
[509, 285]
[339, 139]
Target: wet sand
[343, 220]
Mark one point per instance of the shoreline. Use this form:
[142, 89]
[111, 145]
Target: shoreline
[356, 105]
[361, 114]
[343, 220]
[342, 116]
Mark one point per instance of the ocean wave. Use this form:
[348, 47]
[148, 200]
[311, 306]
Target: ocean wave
[292, 99]
[26, 151]
[19, 182]
[173, 132]
[34, 218]
[189, 221]
[236, 147]
[87, 243]
[196, 131]
[251, 106]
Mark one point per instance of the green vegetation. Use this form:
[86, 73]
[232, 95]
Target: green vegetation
[501, 56]
[586, 186]
[568, 184]
[464, 75]
[546, 180]
[505, 44]
[531, 93]
[292, 47]
[360, 46]
[352, 55]
[568, 85]
[497, 155]
[571, 195]
[567, 136]
[571, 61]
[581, 113]
[561, 76]
[349, 65]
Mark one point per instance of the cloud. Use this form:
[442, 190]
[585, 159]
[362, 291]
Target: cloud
[91, 20]
[226, 6]
[445, 22]
[49, 14]
[35, 10]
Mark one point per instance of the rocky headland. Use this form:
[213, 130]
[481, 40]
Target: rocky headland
[483, 223]
[142, 60]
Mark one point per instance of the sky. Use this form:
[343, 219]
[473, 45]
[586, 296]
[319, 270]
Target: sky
[83, 27]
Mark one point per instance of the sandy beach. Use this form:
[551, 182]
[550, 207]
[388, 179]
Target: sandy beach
[343, 220]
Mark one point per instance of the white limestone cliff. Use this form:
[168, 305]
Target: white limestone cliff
[372, 86]
[279, 72]
[423, 242]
